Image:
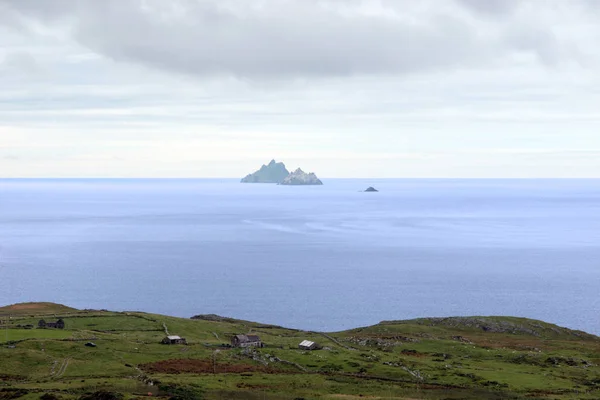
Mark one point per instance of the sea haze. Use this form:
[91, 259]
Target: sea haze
[321, 257]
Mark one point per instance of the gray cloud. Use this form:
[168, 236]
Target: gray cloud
[491, 7]
[47, 11]
[542, 43]
[283, 38]
[299, 39]
[19, 63]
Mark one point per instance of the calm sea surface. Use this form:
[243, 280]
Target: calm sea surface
[326, 258]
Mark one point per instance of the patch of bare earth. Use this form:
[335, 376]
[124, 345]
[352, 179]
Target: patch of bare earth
[353, 397]
[35, 308]
[11, 378]
[17, 307]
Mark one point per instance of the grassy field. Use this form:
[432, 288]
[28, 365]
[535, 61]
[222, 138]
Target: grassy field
[447, 358]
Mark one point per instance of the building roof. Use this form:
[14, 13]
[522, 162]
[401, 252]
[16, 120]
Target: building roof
[307, 343]
[173, 337]
[247, 338]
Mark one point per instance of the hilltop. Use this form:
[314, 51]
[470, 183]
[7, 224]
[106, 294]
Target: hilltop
[35, 308]
[274, 172]
[433, 358]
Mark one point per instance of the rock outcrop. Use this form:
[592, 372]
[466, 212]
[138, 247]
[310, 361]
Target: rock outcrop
[299, 177]
[371, 189]
[214, 318]
[274, 172]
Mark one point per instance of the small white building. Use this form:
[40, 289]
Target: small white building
[308, 345]
[174, 340]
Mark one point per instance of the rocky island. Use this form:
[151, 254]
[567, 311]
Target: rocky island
[274, 172]
[299, 177]
[371, 189]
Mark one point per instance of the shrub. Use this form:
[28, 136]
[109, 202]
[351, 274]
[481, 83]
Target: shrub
[331, 368]
[9, 394]
[182, 392]
[102, 395]
[49, 396]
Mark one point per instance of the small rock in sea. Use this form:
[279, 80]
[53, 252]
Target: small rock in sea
[371, 189]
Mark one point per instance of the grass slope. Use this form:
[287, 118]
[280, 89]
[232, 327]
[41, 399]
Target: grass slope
[430, 358]
[35, 309]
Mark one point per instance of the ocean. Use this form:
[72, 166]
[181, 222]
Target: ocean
[318, 257]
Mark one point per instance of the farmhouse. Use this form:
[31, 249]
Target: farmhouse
[308, 345]
[246, 341]
[60, 324]
[172, 339]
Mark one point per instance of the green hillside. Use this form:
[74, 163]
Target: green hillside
[35, 309]
[431, 358]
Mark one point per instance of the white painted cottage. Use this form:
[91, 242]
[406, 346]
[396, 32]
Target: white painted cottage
[308, 345]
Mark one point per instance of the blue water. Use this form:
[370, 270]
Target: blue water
[326, 258]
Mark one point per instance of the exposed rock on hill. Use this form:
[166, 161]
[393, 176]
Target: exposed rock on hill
[506, 325]
[299, 177]
[213, 318]
[274, 172]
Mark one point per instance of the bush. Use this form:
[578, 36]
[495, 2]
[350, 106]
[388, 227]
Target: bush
[182, 392]
[102, 395]
[331, 368]
[49, 396]
[9, 394]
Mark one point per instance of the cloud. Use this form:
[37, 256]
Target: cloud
[216, 87]
[19, 63]
[298, 38]
[491, 7]
[290, 38]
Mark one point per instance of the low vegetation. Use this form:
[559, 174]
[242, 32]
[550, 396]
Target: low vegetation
[432, 358]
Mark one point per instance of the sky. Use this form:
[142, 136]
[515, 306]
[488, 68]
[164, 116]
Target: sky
[344, 88]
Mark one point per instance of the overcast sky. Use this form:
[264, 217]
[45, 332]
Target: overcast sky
[345, 88]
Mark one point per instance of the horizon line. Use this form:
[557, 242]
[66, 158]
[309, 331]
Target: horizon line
[326, 178]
